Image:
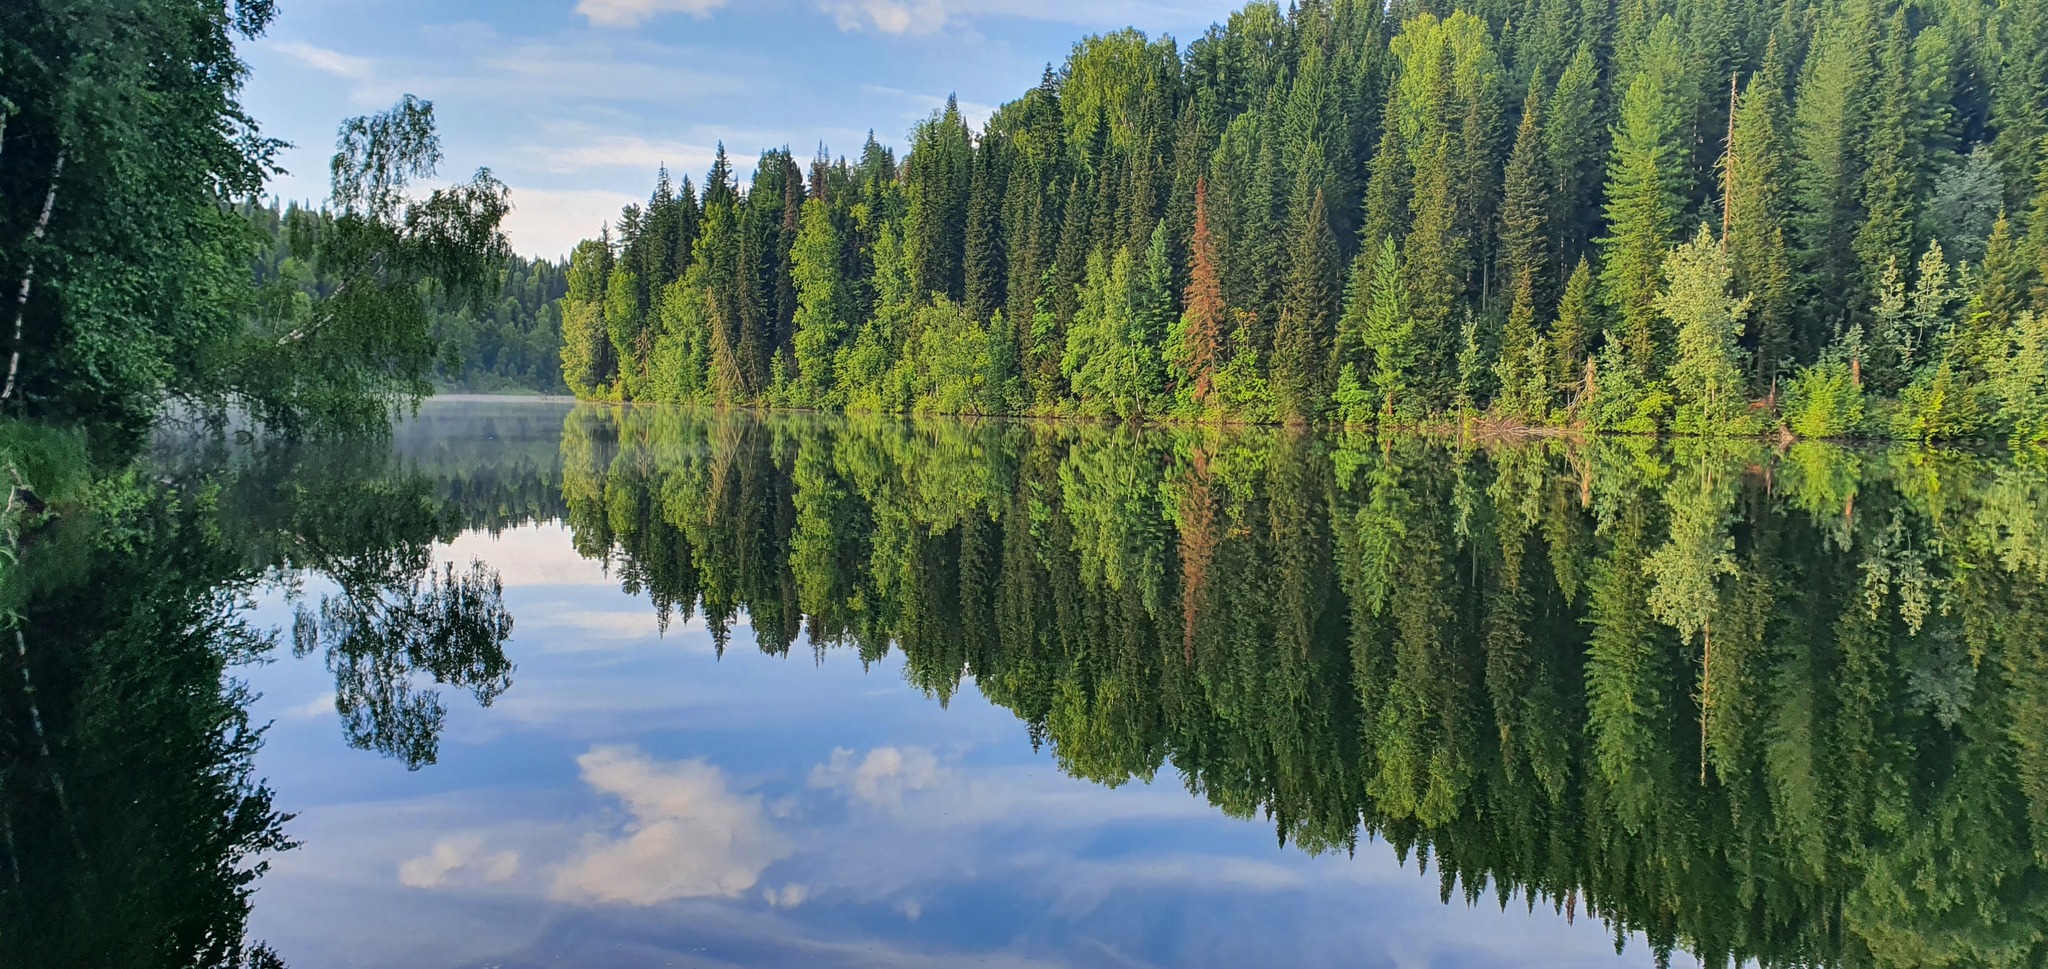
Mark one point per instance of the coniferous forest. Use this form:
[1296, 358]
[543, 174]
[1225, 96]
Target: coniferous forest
[1825, 216]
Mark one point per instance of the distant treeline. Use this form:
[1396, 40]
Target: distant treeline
[1623, 214]
[512, 343]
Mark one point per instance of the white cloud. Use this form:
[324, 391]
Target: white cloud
[889, 16]
[547, 224]
[320, 706]
[882, 777]
[791, 895]
[632, 152]
[532, 555]
[931, 16]
[631, 13]
[326, 61]
[691, 835]
[460, 858]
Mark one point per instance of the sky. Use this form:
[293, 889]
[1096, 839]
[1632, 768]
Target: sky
[573, 103]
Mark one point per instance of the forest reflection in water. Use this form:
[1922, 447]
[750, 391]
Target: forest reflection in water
[1781, 705]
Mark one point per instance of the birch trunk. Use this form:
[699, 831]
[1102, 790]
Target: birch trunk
[28, 275]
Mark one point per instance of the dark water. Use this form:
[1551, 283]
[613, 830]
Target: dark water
[599, 687]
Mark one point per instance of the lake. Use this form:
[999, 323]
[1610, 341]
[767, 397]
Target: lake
[557, 685]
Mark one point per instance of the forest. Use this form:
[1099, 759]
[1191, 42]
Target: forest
[508, 340]
[1827, 218]
[1776, 708]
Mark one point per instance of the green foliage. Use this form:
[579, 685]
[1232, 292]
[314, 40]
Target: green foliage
[1824, 400]
[1645, 198]
[366, 345]
[2019, 381]
[1145, 219]
[1707, 320]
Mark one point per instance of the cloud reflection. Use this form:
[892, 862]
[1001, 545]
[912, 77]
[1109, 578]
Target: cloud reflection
[691, 835]
[882, 777]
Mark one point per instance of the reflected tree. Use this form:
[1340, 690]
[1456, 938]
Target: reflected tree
[1780, 708]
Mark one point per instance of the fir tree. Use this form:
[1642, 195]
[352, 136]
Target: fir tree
[1524, 239]
[1643, 200]
[1203, 313]
[1307, 319]
[1571, 337]
[1754, 169]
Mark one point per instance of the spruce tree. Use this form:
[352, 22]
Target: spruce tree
[1203, 314]
[1643, 200]
[1525, 207]
[1301, 342]
[1432, 261]
[1571, 337]
[2020, 99]
[1827, 115]
[936, 179]
[1572, 154]
[1890, 184]
[984, 268]
[1523, 369]
[1755, 170]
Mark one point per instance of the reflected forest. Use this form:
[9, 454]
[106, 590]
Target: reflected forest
[1778, 706]
[1783, 707]
[134, 826]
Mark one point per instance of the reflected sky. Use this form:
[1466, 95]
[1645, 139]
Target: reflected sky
[634, 799]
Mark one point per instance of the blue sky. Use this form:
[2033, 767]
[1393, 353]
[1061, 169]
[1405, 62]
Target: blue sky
[574, 102]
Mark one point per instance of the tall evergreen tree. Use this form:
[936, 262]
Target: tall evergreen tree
[1755, 170]
[1203, 315]
[1308, 311]
[1644, 203]
[1525, 207]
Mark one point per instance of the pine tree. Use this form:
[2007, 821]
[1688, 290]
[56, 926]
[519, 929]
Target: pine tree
[1754, 168]
[1643, 200]
[1572, 154]
[1571, 337]
[1525, 208]
[1301, 342]
[1203, 315]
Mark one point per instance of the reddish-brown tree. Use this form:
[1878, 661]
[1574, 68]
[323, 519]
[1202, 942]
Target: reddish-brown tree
[1204, 300]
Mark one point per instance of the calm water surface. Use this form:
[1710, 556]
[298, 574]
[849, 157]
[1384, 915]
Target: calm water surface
[637, 687]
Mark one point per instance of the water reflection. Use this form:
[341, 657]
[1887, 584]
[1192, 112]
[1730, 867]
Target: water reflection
[1784, 706]
[1787, 706]
[134, 823]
